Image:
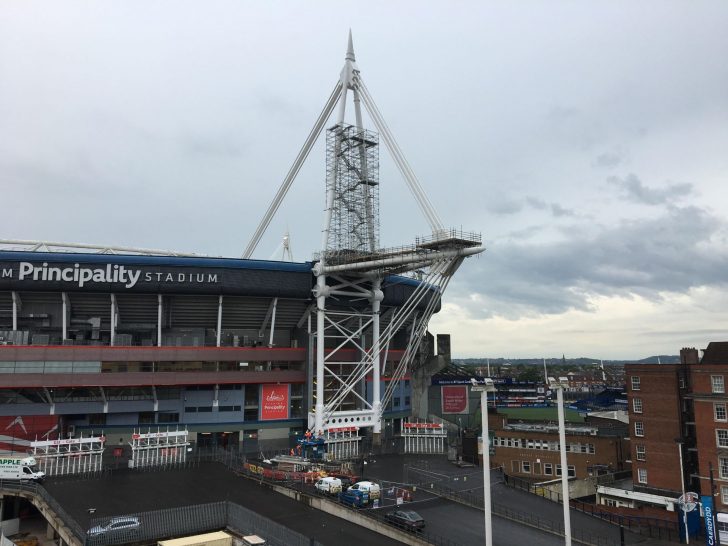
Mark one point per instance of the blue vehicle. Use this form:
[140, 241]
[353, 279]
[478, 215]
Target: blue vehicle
[354, 498]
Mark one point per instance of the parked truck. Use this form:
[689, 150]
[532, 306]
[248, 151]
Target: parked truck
[16, 468]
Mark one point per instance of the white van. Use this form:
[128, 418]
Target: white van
[329, 485]
[367, 487]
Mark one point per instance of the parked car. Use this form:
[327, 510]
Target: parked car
[406, 519]
[126, 523]
[371, 488]
[354, 498]
[329, 485]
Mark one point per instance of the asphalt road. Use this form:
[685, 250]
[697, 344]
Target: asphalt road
[127, 492]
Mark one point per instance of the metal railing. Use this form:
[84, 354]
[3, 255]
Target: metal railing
[643, 525]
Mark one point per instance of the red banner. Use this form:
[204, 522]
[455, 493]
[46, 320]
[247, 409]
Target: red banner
[17, 431]
[274, 403]
[454, 399]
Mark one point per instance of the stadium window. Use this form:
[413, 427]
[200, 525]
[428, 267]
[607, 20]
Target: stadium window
[639, 428]
[635, 383]
[190, 409]
[641, 452]
[168, 418]
[718, 384]
[204, 409]
[642, 475]
[396, 402]
[637, 405]
[723, 467]
[146, 417]
[719, 411]
[229, 408]
[97, 419]
[721, 436]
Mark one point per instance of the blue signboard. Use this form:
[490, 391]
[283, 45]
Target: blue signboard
[710, 538]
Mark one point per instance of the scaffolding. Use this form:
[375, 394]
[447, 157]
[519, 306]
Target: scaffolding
[69, 456]
[158, 448]
[352, 179]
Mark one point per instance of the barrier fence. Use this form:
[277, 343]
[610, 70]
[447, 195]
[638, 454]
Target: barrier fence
[646, 526]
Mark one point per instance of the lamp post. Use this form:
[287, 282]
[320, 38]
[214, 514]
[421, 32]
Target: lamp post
[682, 485]
[559, 385]
[484, 388]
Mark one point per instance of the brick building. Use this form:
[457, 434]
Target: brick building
[531, 451]
[673, 405]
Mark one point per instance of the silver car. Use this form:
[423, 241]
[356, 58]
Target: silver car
[126, 523]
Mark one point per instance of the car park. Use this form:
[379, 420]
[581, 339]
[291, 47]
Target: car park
[406, 519]
[116, 525]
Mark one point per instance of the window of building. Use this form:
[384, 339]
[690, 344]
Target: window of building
[407, 402]
[682, 382]
[641, 453]
[515, 466]
[639, 428]
[204, 409]
[723, 467]
[642, 475]
[718, 384]
[526, 467]
[721, 436]
[571, 471]
[724, 494]
[97, 419]
[635, 383]
[229, 408]
[548, 469]
[168, 417]
[719, 411]
[146, 417]
[592, 449]
[610, 502]
[637, 405]
[396, 401]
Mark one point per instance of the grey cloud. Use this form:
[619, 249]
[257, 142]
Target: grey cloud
[559, 211]
[634, 190]
[536, 203]
[672, 253]
[608, 160]
[505, 207]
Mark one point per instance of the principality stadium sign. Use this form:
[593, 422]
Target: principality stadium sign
[109, 274]
[154, 275]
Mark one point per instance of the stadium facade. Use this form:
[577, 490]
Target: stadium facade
[113, 343]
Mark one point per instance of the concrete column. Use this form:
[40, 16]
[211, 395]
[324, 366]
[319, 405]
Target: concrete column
[219, 320]
[159, 320]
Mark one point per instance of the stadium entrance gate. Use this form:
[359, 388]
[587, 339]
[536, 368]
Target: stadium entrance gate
[424, 438]
[158, 448]
[69, 456]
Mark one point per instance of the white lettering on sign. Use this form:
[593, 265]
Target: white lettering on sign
[117, 274]
[7, 273]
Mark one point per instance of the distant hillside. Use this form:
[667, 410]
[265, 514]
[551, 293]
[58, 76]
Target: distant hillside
[579, 362]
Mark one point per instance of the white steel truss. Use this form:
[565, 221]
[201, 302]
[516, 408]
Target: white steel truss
[351, 271]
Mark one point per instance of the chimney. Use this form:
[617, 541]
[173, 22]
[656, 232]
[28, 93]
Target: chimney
[689, 355]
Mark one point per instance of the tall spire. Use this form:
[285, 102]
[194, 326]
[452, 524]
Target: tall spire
[350, 49]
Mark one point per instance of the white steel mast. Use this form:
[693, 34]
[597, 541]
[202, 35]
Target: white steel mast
[352, 271]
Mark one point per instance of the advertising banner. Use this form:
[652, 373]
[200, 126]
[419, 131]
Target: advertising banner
[274, 402]
[454, 399]
[18, 431]
[710, 538]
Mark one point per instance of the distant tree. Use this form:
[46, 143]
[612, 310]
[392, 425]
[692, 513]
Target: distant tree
[532, 373]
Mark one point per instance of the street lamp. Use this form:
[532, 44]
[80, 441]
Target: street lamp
[559, 386]
[679, 442]
[484, 388]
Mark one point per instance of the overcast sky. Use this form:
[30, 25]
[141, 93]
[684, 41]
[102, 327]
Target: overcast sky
[586, 141]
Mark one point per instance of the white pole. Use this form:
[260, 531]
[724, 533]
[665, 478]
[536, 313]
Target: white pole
[486, 468]
[682, 485]
[564, 467]
[219, 320]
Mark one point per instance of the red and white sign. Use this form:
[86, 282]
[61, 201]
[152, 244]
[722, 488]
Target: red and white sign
[17, 431]
[454, 399]
[422, 425]
[274, 402]
[344, 429]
